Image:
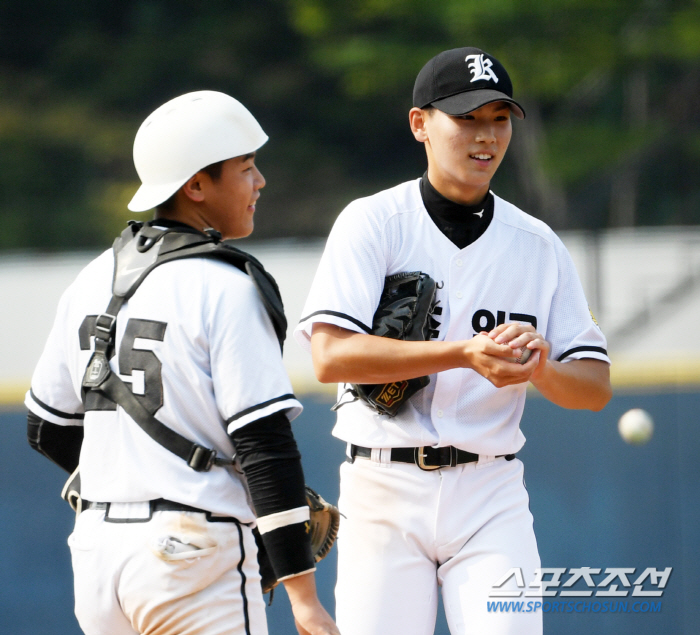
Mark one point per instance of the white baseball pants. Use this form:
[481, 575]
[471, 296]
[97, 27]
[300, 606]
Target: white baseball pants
[175, 574]
[406, 532]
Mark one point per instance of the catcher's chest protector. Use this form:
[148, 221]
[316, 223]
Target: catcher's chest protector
[137, 252]
[141, 248]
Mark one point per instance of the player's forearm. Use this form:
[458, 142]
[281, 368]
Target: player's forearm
[301, 589]
[343, 356]
[582, 384]
[309, 614]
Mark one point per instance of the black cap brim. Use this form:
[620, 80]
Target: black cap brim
[465, 102]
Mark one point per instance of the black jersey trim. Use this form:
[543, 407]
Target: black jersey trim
[260, 406]
[579, 349]
[345, 316]
[243, 579]
[53, 411]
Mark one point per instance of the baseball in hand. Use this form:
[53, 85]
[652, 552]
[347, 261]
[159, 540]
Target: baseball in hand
[521, 355]
[636, 426]
[524, 355]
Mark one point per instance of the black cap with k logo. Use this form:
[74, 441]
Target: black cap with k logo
[461, 80]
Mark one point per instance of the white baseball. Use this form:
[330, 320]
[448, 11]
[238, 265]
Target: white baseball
[636, 426]
[524, 355]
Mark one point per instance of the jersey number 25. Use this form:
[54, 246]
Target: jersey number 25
[150, 390]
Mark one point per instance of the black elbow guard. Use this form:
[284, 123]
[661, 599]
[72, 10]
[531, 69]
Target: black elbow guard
[60, 444]
[288, 547]
[272, 464]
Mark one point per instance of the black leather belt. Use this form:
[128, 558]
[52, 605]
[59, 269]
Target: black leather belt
[162, 505]
[426, 457]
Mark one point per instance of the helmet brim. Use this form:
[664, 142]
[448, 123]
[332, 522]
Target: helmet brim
[150, 196]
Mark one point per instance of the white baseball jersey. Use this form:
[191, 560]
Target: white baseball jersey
[194, 339]
[517, 271]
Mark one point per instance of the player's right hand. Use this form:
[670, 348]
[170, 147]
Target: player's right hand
[310, 617]
[494, 361]
[317, 624]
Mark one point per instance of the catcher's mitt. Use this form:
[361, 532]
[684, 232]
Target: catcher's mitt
[324, 523]
[323, 530]
[71, 491]
[405, 312]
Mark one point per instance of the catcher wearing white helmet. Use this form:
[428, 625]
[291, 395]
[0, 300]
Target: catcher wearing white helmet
[164, 363]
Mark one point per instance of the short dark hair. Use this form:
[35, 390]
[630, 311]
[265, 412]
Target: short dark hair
[214, 172]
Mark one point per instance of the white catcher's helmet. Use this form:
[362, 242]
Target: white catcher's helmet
[185, 135]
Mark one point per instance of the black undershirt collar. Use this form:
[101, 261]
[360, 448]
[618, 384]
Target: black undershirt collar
[462, 224]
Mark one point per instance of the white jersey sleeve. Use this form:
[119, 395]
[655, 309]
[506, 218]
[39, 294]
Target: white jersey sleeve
[350, 276]
[248, 376]
[572, 331]
[52, 396]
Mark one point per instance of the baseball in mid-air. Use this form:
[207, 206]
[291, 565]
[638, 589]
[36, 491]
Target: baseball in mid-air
[636, 426]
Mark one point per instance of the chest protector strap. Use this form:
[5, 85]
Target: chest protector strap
[139, 250]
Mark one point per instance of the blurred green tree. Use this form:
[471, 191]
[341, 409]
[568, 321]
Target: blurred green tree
[606, 84]
[610, 87]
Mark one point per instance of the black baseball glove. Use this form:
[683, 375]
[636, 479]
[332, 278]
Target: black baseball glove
[405, 312]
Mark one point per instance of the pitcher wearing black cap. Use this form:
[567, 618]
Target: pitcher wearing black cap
[433, 498]
[161, 390]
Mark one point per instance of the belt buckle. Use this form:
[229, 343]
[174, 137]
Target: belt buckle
[420, 455]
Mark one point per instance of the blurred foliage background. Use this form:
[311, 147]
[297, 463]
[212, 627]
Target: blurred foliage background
[611, 89]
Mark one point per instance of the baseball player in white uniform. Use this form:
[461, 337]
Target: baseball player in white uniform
[434, 498]
[164, 545]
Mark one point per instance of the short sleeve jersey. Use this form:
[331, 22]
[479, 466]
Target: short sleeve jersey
[196, 346]
[517, 271]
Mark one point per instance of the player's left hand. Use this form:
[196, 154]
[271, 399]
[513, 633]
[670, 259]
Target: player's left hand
[521, 336]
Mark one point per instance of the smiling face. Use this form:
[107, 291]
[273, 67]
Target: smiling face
[229, 201]
[225, 202]
[463, 151]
